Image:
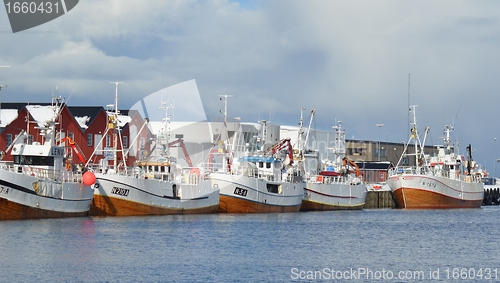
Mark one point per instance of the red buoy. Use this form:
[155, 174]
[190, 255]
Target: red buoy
[88, 178]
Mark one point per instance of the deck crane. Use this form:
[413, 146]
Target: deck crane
[283, 144]
[180, 143]
[352, 164]
[76, 148]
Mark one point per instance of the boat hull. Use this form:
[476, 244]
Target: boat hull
[243, 194]
[19, 199]
[339, 196]
[431, 192]
[10, 210]
[118, 195]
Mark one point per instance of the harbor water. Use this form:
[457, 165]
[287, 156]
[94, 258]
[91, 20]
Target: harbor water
[382, 245]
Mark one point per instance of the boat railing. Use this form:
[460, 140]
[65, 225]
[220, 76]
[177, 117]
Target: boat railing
[135, 172]
[268, 177]
[192, 176]
[43, 173]
[292, 178]
[412, 170]
[213, 167]
[456, 175]
[334, 180]
[474, 178]
[191, 179]
[329, 179]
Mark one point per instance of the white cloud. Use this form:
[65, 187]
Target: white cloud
[348, 59]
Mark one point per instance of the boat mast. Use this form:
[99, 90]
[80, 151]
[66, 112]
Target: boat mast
[339, 147]
[2, 86]
[262, 141]
[166, 131]
[225, 160]
[409, 109]
[414, 133]
[419, 146]
[301, 130]
[447, 139]
[302, 143]
[116, 129]
[413, 136]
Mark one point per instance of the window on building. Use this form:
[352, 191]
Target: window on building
[89, 139]
[108, 141]
[71, 135]
[405, 161]
[125, 141]
[356, 151]
[141, 143]
[381, 152]
[30, 139]
[9, 139]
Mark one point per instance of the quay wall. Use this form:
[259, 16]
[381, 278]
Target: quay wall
[379, 199]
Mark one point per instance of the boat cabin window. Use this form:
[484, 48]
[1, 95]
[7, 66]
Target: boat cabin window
[272, 188]
[34, 160]
[261, 164]
[268, 165]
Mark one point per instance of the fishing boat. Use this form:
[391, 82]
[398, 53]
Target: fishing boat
[332, 184]
[259, 183]
[40, 182]
[151, 188]
[445, 180]
[154, 186]
[260, 180]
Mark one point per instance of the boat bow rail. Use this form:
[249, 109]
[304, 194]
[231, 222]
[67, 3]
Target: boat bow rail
[43, 173]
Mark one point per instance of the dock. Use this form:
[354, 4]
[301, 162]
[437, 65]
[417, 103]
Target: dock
[379, 199]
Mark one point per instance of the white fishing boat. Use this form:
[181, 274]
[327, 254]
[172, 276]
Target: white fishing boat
[258, 181]
[151, 187]
[332, 184]
[446, 180]
[39, 183]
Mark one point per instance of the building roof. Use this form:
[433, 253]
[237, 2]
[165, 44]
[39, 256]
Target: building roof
[41, 113]
[7, 116]
[85, 115]
[21, 105]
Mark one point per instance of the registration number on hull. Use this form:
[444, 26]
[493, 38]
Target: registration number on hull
[120, 191]
[240, 192]
[4, 191]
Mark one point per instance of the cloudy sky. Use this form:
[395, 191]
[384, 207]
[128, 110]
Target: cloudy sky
[350, 60]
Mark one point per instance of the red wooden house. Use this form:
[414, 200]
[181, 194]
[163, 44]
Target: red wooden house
[86, 128]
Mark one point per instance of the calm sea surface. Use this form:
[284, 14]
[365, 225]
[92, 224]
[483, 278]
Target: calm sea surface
[355, 246]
